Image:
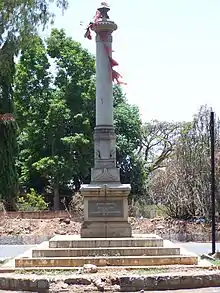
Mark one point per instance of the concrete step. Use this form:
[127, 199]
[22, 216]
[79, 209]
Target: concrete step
[104, 251]
[63, 262]
[74, 241]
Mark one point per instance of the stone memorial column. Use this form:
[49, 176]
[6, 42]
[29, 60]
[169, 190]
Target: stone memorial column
[105, 198]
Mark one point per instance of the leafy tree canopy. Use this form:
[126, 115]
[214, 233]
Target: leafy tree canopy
[19, 20]
[56, 115]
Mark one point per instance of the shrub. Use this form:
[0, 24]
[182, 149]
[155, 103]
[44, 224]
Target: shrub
[76, 207]
[31, 202]
[141, 209]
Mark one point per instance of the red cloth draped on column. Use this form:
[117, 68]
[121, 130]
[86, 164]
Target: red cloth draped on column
[97, 16]
[103, 36]
[87, 34]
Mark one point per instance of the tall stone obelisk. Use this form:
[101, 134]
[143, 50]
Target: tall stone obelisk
[105, 198]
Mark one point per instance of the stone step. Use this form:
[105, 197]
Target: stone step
[105, 251]
[63, 262]
[74, 241]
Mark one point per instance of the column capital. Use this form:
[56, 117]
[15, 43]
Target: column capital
[104, 23]
[104, 9]
[104, 26]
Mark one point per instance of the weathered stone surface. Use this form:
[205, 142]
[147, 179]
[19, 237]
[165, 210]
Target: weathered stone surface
[105, 174]
[71, 241]
[107, 261]
[106, 229]
[168, 282]
[109, 208]
[58, 288]
[99, 284]
[105, 251]
[24, 284]
[78, 281]
[116, 288]
[105, 155]
[4, 283]
[90, 269]
[132, 283]
[33, 284]
[43, 284]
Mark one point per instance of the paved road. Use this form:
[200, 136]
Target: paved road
[199, 248]
[10, 251]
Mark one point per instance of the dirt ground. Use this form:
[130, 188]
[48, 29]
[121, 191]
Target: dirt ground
[17, 226]
[109, 281]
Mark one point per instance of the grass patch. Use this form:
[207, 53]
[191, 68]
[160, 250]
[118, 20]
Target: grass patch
[3, 261]
[146, 271]
[46, 272]
[215, 262]
[153, 271]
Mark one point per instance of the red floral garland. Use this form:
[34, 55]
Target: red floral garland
[115, 75]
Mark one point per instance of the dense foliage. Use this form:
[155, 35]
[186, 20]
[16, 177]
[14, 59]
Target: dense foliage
[19, 19]
[56, 116]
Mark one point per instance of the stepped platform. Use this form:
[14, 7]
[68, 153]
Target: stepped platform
[106, 251]
[65, 251]
[71, 241]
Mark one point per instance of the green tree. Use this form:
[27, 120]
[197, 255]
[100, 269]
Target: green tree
[31, 202]
[32, 96]
[128, 130]
[55, 113]
[18, 21]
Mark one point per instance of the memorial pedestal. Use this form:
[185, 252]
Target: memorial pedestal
[105, 210]
[105, 199]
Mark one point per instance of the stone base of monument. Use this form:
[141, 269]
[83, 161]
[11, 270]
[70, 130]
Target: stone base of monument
[66, 251]
[106, 229]
[105, 210]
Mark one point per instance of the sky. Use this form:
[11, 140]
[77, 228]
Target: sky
[168, 52]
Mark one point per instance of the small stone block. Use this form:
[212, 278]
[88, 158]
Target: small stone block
[43, 284]
[4, 283]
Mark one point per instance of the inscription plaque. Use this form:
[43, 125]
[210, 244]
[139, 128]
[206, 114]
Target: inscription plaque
[98, 208]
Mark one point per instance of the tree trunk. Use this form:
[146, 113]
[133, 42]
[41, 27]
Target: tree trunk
[56, 197]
